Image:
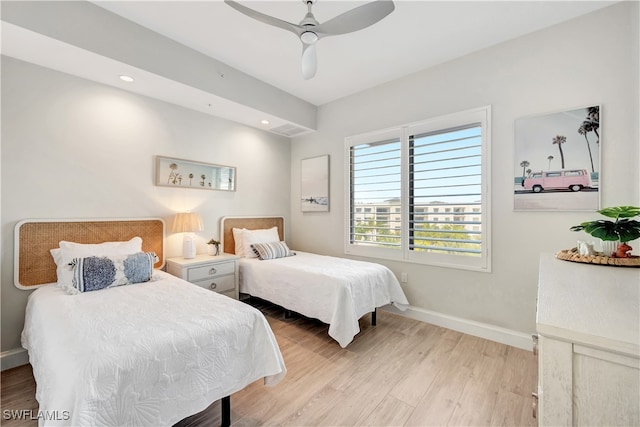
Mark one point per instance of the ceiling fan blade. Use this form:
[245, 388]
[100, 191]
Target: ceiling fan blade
[356, 19]
[309, 61]
[296, 29]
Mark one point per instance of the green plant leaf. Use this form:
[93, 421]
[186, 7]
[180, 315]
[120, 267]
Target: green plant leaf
[628, 230]
[620, 212]
[623, 229]
[604, 230]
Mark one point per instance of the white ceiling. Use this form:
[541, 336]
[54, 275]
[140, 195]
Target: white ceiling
[417, 35]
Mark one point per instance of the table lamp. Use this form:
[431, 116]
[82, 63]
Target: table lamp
[187, 223]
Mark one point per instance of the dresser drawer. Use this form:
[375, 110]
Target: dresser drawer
[218, 284]
[209, 271]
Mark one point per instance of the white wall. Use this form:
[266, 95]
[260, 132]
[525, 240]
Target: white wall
[587, 61]
[72, 148]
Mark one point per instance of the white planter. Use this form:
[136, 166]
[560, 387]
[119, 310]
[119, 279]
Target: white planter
[608, 247]
[213, 250]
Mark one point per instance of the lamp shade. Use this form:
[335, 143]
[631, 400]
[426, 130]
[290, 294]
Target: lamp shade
[187, 222]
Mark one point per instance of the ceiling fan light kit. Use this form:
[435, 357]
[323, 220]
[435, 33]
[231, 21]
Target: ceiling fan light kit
[309, 37]
[309, 31]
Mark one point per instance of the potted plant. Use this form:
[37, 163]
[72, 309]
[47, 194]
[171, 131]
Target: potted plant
[213, 247]
[622, 230]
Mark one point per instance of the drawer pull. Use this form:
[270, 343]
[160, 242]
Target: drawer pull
[213, 270]
[534, 404]
[213, 285]
[535, 344]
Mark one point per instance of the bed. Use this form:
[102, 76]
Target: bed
[336, 291]
[149, 353]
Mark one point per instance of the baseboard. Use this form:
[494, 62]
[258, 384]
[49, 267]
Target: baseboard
[471, 327]
[12, 358]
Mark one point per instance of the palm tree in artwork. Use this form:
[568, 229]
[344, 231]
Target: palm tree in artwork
[591, 123]
[584, 129]
[559, 139]
[523, 165]
[550, 158]
[593, 117]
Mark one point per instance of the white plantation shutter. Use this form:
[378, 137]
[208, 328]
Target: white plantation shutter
[375, 187]
[420, 192]
[445, 191]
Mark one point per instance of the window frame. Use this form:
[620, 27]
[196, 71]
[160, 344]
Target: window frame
[480, 116]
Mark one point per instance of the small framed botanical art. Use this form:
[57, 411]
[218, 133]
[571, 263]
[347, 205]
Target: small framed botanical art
[314, 184]
[179, 173]
[557, 161]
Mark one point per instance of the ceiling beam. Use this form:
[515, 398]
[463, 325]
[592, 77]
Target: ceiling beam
[94, 29]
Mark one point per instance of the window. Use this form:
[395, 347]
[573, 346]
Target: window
[420, 170]
[375, 180]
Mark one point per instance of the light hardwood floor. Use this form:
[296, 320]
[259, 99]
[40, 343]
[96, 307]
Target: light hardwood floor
[401, 372]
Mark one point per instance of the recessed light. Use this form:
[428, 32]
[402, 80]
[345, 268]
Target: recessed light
[265, 121]
[126, 78]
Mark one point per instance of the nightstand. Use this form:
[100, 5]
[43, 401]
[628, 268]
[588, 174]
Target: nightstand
[217, 273]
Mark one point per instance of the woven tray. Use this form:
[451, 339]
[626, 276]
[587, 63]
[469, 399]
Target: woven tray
[598, 259]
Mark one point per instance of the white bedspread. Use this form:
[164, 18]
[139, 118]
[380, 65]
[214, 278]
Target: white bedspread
[337, 291]
[145, 354]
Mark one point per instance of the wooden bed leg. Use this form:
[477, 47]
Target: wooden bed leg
[373, 317]
[226, 411]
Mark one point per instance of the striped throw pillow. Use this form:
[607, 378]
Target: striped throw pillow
[271, 250]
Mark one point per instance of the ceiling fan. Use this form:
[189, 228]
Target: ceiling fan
[309, 31]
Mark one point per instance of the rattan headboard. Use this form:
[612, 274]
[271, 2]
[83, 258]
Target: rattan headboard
[33, 264]
[250, 223]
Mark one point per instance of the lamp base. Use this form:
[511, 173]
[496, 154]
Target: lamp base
[189, 246]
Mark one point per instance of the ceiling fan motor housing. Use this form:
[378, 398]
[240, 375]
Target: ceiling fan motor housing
[310, 31]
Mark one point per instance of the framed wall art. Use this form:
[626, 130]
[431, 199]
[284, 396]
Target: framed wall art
[557, 161]
[180, 173]
[314, 184]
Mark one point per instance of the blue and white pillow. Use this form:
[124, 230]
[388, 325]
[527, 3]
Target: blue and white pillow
[271, 250]
[95, 272]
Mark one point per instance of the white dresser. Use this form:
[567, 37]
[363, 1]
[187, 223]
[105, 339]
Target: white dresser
[588, 325]
[216, 273]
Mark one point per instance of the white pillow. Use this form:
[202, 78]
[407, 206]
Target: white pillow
[250, 237]
[237, 238]
[69, 250]
[105, 248]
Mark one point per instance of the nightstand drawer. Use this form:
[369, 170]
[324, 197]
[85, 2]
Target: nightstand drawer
[218, 284]
[216, 273]
[208, 271]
